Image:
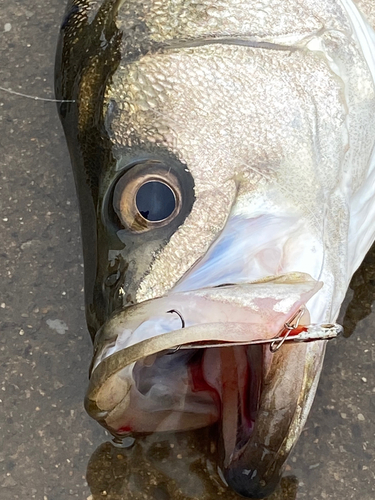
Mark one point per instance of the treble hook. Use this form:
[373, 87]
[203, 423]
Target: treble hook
[288, 327]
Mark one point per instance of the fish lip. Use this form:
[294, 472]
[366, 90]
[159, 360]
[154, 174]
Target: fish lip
[112, 364]
[107, 333]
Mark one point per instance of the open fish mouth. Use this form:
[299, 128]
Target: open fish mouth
[150, 374]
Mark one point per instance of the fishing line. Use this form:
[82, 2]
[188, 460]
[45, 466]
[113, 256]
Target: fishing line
[34, 98]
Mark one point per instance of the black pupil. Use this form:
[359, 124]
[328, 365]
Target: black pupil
[155, 201]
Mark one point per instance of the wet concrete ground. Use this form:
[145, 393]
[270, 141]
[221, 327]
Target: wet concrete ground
[49, 447]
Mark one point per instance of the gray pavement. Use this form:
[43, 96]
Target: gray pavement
[49, 448]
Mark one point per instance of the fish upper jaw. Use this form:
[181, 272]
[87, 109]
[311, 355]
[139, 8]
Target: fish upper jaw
[259, 310]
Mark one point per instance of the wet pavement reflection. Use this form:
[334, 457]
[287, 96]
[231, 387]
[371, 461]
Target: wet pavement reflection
[177, 467]
[49, 447]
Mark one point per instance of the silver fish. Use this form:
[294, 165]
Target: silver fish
[224, 162]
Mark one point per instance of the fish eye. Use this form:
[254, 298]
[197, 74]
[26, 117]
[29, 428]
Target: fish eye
[146, 197]
[155, 201]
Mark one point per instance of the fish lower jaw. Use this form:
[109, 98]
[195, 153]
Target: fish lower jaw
[257, 398]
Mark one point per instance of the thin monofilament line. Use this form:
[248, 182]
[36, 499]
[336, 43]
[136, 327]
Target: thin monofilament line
[34, 98]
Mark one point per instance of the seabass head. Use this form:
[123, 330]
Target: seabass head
[209, 171]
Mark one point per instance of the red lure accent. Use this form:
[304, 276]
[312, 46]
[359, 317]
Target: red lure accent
[125, 429]
[294, 332]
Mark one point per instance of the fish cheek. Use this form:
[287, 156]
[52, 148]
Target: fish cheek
[88, 54]
[127, 246]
